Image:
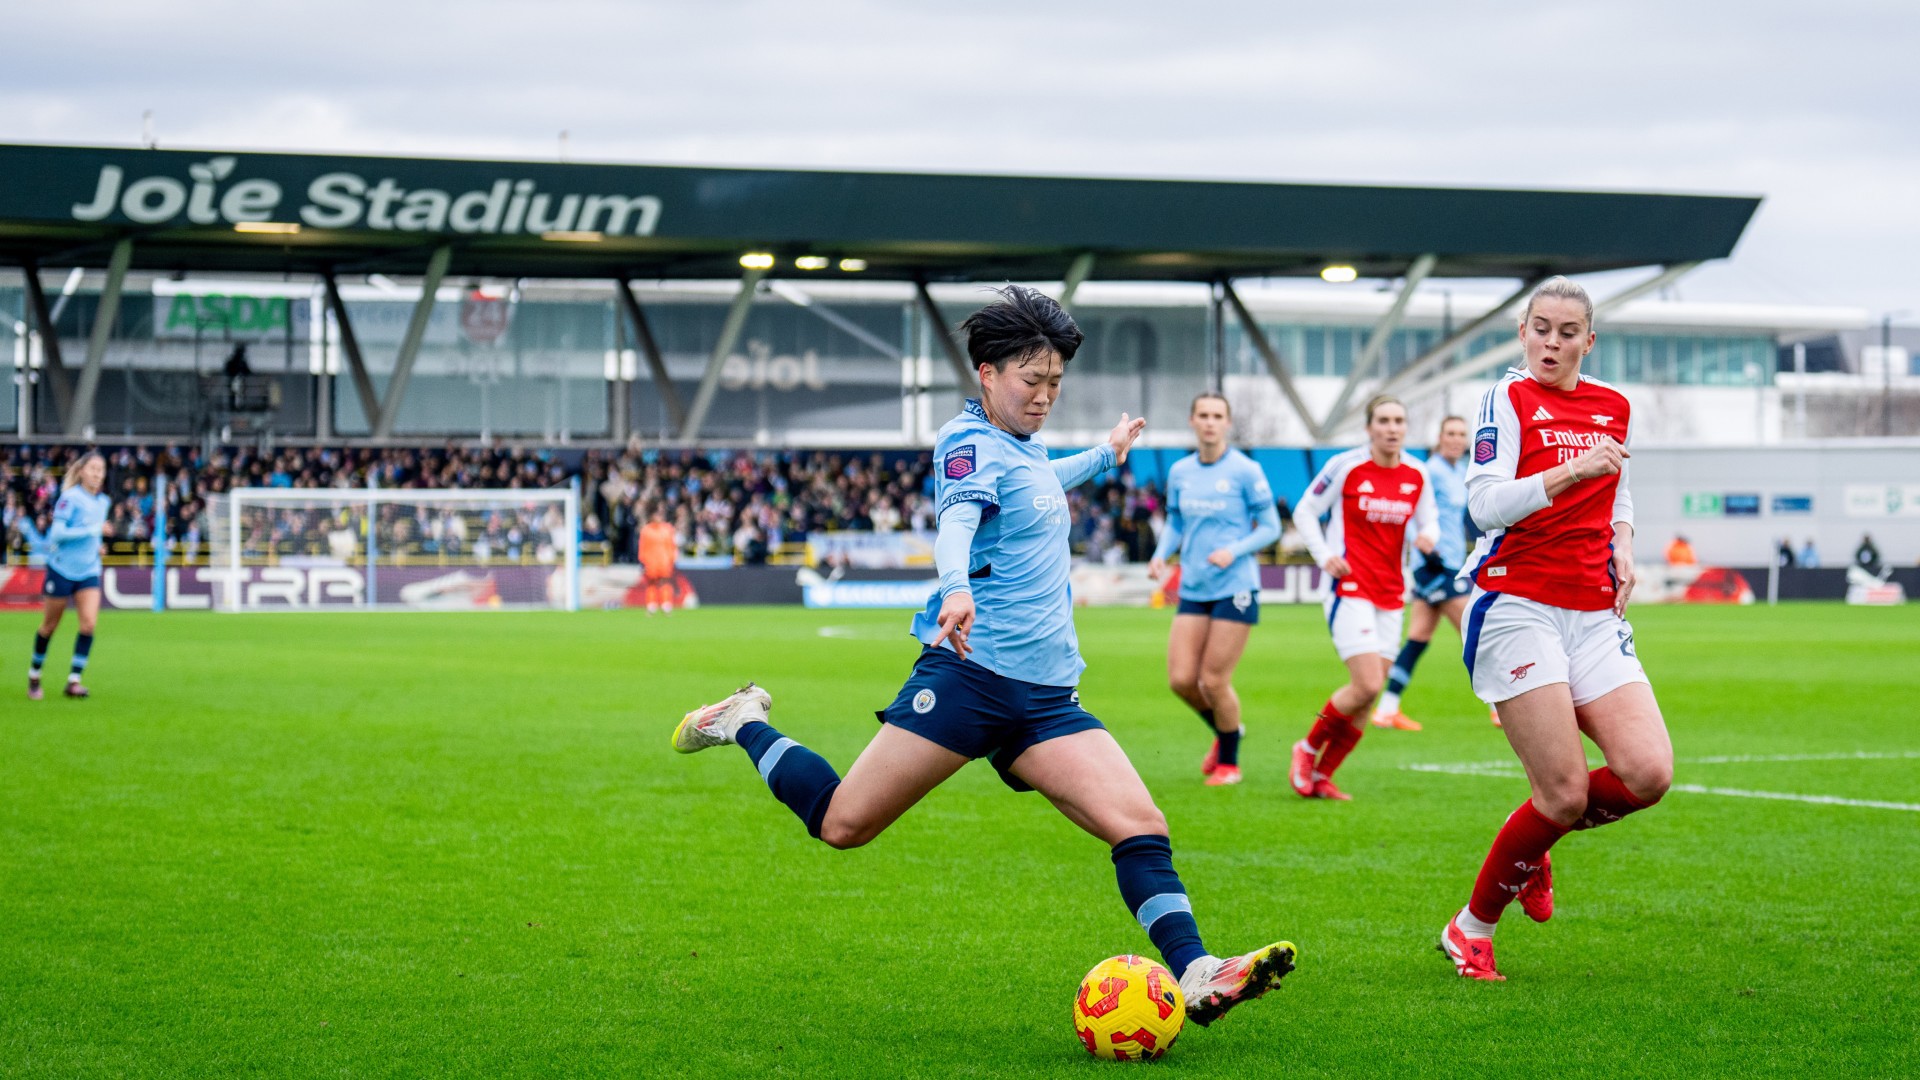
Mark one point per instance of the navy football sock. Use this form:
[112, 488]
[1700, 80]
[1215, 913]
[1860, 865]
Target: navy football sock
[1206, 717]
[1230, 746]
[82, 648]
[1144, 865]
[1402, 672]
[799, 777]
[40, 652]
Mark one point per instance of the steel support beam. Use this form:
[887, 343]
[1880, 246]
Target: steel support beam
[1376, 346]
[965, 378]
[1514, 346]
[410, 345]
[650, 348]
[722, 348]
[1436, 356]
[801, 299]
[52, 370]
[1076, 276]
[1275, 367]
[349, 344]
[80, 414]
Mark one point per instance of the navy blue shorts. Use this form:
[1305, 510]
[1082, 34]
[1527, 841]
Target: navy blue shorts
[1437, 589]
[63, 587]
[1240, 607]
[970, 710]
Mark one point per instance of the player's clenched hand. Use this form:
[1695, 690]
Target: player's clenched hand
[1122, 436]
[1623, 573]
[956, 622]
[1604, 459]
[1336, 566]
[1424, 543]
[1221, 558]
[1157, 568]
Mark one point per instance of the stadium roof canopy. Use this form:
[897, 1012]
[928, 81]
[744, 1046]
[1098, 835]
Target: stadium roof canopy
[209, 211]
[527, 219]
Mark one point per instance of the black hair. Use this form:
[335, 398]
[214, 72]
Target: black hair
[1021, 323]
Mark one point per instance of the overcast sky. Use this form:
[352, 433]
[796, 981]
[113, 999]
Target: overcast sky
[1814, 106]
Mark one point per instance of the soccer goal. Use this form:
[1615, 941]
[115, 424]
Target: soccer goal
[333, 549]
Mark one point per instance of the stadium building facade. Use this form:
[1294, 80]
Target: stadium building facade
[857, 364]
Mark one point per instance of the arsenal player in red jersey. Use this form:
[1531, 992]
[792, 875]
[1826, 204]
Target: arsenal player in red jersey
[1374, 497]
[1547, 641]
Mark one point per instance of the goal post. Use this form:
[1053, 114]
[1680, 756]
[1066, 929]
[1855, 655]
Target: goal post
[394, 549]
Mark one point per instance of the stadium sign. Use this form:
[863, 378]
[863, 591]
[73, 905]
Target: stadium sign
[216, 191]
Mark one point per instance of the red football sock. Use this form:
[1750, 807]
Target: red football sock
[1608, 800]
[1515, 855]
[1327, 727]
[1336, 752]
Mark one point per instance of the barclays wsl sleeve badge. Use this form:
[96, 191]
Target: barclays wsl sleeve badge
[959, 462]
[1487, 446]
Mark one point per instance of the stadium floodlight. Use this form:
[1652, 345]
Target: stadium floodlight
[757, 260]
[1339, 275]
[275, 228]
[811, 262]
[394, 549]
[853, 266]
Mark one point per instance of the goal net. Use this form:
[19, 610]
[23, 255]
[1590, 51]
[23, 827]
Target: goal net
[281, 549]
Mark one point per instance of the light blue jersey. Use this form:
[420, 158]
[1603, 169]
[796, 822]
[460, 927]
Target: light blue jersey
[1449, 484]
[1019, 562]
[1227, 504]
[74, 538]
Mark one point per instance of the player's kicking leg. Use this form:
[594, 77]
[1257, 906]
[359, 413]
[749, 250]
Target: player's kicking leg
[1089, 779]
[896, 770]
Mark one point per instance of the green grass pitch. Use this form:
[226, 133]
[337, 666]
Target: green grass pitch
[459, 845]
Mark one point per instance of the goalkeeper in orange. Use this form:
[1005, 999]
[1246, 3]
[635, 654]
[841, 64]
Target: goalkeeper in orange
[659, 547]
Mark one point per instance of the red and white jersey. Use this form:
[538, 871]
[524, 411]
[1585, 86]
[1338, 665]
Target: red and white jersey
[1562, 554]
[1371, 511]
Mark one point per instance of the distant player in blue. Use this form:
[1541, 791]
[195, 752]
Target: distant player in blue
[73, 567]
[1219, 513]
[999, 660]
[1435, 590]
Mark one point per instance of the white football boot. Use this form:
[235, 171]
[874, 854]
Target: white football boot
[1213, 985]
[716, 724]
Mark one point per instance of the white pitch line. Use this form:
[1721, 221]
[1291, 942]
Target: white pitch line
[1724, 759]
[1860, 755]
[1512, 772]
[1825, 800]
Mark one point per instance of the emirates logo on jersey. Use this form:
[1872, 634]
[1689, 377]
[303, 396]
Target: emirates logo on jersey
[1386, 511]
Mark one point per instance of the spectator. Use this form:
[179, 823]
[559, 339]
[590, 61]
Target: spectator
[1809, 555]
[1680, 552]
[1867, 556]
[1783, 553]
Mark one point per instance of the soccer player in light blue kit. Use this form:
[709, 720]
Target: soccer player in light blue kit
[999, 660]
[1219, 512]
[1436, 592]
[73, 568]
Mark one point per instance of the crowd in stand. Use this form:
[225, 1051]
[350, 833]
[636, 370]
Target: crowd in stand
[745, 505]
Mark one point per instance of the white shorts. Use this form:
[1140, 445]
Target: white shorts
[1514, 645]
[1358, 627]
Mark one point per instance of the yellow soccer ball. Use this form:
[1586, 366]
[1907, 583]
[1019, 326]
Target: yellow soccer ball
[1129, 1009]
